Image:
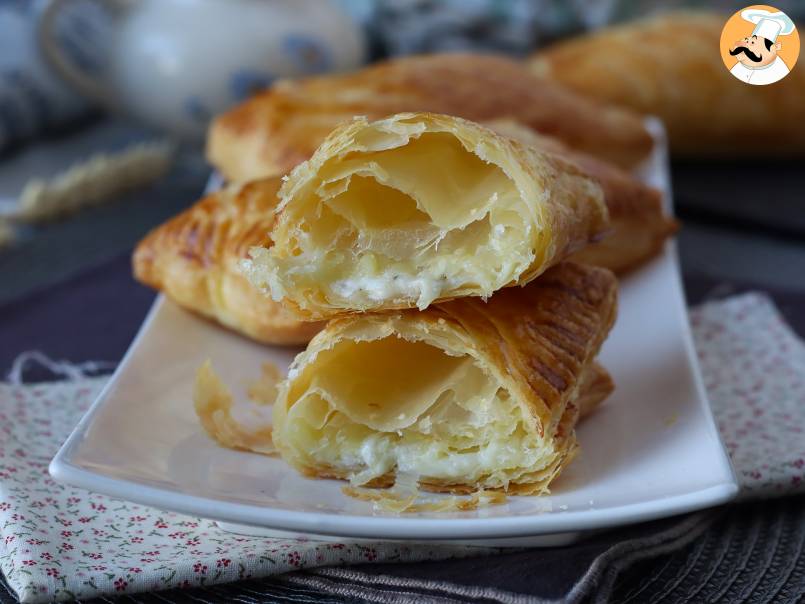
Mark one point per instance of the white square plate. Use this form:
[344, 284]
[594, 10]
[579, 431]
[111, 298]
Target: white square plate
[651, 450]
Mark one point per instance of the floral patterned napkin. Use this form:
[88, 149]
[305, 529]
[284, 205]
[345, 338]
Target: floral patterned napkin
[753, 367]
[62, 543]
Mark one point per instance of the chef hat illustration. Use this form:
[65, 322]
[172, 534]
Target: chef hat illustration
[768, 25]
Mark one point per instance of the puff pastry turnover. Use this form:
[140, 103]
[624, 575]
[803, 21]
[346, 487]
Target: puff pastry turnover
[464, 396]
[248, 427]
[283, 126]
[419, 208]
[194, 258]
[638, 225]
[670, 66]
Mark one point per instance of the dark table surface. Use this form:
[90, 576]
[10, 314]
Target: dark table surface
[66, 290]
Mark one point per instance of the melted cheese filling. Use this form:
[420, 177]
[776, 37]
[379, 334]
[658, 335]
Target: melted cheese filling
[409, 407]
[412, 223]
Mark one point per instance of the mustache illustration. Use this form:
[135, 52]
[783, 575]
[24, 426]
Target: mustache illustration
[743, 49]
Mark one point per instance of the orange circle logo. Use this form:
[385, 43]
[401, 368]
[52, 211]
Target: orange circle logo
[759, 45]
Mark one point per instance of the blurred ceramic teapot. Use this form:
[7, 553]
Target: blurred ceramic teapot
[174, 64]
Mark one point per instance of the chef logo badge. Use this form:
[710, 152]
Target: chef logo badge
[759, 45]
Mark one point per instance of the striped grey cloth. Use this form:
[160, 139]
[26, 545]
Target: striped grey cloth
[743, 553]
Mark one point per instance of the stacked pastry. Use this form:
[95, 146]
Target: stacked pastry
[458, 344]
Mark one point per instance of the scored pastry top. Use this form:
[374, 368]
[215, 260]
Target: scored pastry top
[273, 131]
[194, 259]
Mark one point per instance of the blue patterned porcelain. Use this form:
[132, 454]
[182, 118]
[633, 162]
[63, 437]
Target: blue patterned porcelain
[176, 63]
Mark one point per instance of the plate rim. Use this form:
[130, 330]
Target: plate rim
[393, 527]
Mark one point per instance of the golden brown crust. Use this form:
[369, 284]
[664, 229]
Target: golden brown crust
[638, 225]
[194, 258]
[279, 128]
[539, 341]
[596, 386]
[670, 66]
[545, 334]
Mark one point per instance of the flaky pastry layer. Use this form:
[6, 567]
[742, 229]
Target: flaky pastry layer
[465, 395]
[418, 208]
